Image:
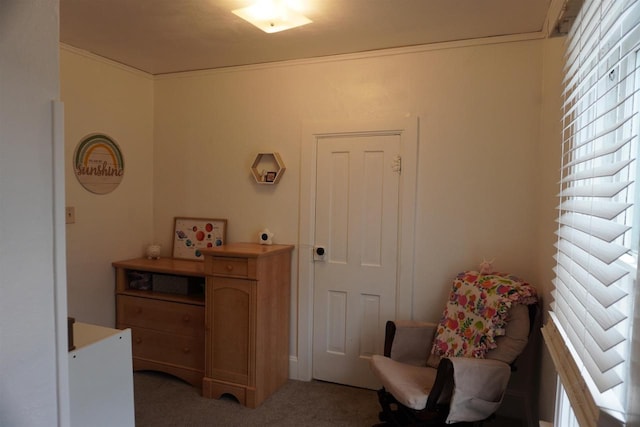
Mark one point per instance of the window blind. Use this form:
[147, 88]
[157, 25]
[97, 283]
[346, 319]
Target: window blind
[596, 258]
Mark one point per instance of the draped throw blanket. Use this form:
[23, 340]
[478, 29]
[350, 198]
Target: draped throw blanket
[476, 313]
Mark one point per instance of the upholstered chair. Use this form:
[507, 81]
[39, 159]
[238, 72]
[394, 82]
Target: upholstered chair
[457, 370]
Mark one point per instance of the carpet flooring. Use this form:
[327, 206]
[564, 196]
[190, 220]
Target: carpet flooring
[163, 401]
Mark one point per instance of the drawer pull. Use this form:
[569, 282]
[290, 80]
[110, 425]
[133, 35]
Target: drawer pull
[186, 318]
[139, 310]
[186, 350]
[138, 340]
[229, 267]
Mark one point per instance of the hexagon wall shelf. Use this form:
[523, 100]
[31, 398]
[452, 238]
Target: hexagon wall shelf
[267, 160]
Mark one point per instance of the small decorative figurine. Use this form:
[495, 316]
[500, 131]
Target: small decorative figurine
[153, 252]
[486, 267]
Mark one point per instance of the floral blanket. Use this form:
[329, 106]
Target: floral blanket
[476, 313]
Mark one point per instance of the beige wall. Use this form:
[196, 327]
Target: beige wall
[479, 108]
[100, 96]
[486, 179]
[33, 386]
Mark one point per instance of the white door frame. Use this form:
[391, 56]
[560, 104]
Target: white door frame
[407, 128]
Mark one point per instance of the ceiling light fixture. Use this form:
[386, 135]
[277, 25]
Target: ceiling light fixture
[272, 16]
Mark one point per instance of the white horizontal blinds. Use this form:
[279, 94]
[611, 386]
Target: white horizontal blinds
[596, 249]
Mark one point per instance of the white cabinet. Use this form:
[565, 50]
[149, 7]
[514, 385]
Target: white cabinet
[100, 377]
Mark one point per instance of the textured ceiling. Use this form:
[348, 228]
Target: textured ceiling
[165, 36]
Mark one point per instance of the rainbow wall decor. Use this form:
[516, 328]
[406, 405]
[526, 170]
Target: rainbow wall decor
[98, 163]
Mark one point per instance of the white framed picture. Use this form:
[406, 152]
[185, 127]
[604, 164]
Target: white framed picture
[191, 235]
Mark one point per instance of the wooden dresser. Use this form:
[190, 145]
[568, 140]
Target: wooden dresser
[228, 336]
[167, 329]
[248, 303]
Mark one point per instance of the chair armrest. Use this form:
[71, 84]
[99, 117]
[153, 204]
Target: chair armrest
[409, 341]
[479, 388]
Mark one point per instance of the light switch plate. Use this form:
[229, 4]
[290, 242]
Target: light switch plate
[70, 215]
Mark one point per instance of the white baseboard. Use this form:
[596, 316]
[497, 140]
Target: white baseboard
[293, 368]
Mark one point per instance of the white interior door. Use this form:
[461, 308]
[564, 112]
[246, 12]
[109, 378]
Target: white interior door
[355, 280]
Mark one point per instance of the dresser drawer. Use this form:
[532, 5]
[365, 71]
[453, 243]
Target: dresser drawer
[227, 266]
[168, 348]
[164, 316]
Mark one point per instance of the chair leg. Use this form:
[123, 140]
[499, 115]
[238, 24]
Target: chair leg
[391, 415]
[395, 414]
[386, 400]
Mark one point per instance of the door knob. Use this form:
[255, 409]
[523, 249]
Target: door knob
[319, 253]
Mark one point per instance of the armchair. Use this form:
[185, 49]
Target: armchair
[457, 370]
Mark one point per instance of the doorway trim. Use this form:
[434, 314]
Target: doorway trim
[407, 127]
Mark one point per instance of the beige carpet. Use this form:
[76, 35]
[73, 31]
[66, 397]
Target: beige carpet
[162, 400]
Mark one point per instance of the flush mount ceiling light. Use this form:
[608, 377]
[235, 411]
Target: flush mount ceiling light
[272, 16]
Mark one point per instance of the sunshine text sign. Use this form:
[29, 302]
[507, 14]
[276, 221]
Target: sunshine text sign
[98, 163]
